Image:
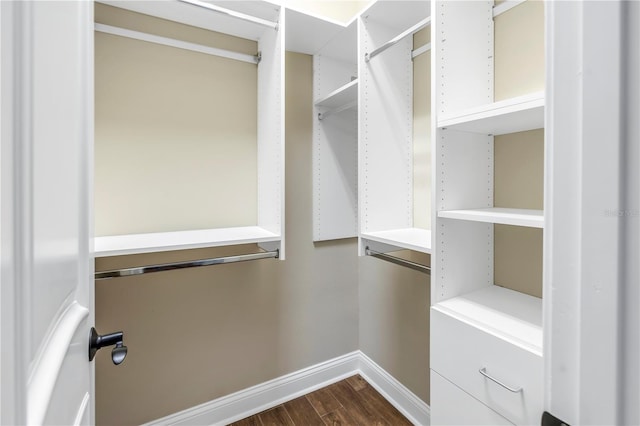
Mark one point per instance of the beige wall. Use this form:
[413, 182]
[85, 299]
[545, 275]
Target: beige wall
[199, 334]
[519, 183]
[394, 319]
[151, 99]
[519, 50]
[519, 157]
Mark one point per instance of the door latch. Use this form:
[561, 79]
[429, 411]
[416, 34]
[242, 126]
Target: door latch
[97, 342]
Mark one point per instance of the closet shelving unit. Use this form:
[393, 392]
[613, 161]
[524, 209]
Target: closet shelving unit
[335, 137]
[254, 20]
[385, 126]
[486, 340]
[333, 46]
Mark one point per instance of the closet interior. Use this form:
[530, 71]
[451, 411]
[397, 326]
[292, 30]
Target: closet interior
[213, 171]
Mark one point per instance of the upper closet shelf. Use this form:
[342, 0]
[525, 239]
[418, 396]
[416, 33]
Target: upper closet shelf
[398, 14]
[310, 34]
[507, 314]
[499, 118]
[246, 19]
[181, 240]
[517, 217]
[407, 238]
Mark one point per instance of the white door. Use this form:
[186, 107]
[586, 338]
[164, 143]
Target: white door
[46, 153]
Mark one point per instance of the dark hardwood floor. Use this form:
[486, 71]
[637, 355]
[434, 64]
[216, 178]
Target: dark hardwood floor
[349, 402]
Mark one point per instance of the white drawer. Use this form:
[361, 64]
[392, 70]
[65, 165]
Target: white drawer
[452, 406]
[460, 350]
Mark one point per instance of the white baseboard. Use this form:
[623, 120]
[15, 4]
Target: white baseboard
[261, 397]
[413, 408]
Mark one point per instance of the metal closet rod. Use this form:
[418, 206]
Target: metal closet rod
[179, 44]
[232, 13]
[398, 261]
[417, 27]
[140, 270]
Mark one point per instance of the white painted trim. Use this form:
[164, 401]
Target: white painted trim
[269, 394]
[179, 44]
[255, 399]
[506, 5]
[585, 244]
[13, 107]
[412, 407]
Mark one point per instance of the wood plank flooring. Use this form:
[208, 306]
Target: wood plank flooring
[349, 402]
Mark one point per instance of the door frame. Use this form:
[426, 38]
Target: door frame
[591, 207]
[13, 229]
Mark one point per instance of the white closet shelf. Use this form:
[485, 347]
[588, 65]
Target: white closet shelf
[397, 14]
[181, 240]
[210, 20]
[499, 118]
[340, 97]
[507, 314]
[406, 238]
[309, 33]
[503, 216]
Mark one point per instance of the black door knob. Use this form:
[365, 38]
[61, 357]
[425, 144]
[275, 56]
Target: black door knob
[97, 341]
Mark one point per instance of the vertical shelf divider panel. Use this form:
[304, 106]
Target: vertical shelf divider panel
[463, 39]
[462, 36]
[335, 138]
[385, 125]
[271, 153]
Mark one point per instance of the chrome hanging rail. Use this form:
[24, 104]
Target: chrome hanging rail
[417, 27]
[232, 13]
[166, 41]
[398, 261]
[128, 272]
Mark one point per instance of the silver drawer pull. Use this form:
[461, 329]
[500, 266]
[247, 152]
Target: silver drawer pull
[483, 371]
